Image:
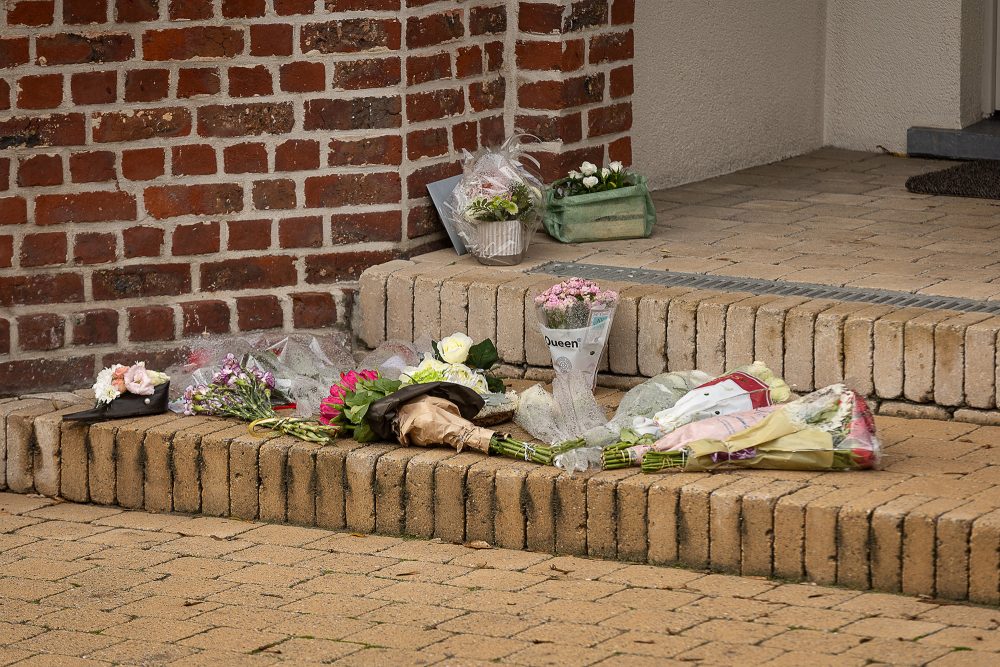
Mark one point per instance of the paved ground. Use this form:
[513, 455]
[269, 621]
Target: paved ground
[82, 584]
[833, 217]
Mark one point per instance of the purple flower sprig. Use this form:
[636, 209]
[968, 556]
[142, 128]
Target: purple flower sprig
[245, 393]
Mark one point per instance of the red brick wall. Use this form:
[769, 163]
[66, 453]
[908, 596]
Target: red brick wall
[177, 167]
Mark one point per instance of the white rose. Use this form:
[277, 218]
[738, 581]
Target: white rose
[588, 169]
[465, 376]
[574, 174]
[590, 181]
[616, 166]
[605, 172]
[455, 348]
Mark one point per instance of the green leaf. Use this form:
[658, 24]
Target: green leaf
[385, 386]
[434, 347]
[364, 433]
[483, 355]
[495, 384]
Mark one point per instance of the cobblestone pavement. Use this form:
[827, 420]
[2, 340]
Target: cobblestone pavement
[83, 584]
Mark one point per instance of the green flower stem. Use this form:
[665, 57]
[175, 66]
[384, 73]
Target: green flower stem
[615, 458]
[567, 446]
[505, 446]
[654, 461]
[304, 429]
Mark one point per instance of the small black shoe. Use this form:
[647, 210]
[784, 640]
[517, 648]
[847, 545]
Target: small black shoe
[126, 405]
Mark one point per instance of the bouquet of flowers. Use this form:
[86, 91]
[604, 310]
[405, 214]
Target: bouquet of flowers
[591, 178]
[347, 405]
[599, 204]
[575, 317]
[829, 429]
[135, 379]
[513, 204]
[126, 391]
[497, 204]
[245, 393]
[746, 388]
[438, 413]
[457, 359]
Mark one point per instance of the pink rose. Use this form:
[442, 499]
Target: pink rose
[137, 380]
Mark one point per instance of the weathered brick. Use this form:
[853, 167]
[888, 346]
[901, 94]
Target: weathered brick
[632, 517]
[360, 499]
[427, 301]
[374, 296]
[192, 42]
[450, 495]
[73, 48]
[602, 504]
[790, 531]
[919, 545]
[952, 553]
[48, 451]
[980, 378]
[420, 509]
[214, 458]
[244, 475]
[157, 461]
[272, 464]
[887, 542]
[540, 509]
[854, 553]
[351, 36]
[887, 356]
[241, 120]
[918, 355]
[186, 463]
[390, 490]
[757, 527]
[725, 507]
[662, 501]
[130, 461]
[114, 126]
[829, 343]
[510, 522]
[21, 444]
[800, 324]
[984, 559]
[682, 318]
[710, 326]
[949, 358]
[859, 346]
[302, 483]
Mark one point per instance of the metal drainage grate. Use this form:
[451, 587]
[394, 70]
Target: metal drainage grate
[758, 286]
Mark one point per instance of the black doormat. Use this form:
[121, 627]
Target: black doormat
[980, 178]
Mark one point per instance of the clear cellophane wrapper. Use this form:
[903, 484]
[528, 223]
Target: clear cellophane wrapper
[304, 366]
[488, 173]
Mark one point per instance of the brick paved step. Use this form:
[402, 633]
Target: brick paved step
[927, 524]
[912, 362]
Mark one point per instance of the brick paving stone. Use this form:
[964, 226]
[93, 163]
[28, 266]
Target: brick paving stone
[233, 639]
[408, 613]
[66, 643]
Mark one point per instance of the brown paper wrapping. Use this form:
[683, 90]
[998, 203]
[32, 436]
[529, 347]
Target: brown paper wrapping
[429, 421]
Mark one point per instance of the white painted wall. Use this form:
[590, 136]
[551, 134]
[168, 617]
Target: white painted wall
[726, 84]
[891, 65]
[723, 84]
